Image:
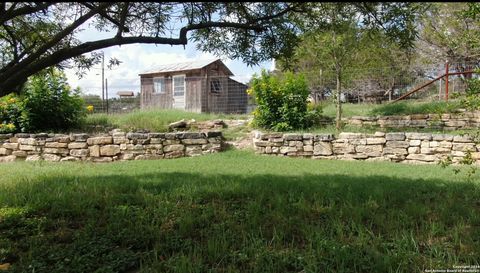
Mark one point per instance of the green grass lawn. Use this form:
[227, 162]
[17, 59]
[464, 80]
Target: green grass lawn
[236, 212]
[388, 109]
[349, 109]
[153, 120]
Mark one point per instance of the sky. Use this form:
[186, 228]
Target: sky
[136, 58]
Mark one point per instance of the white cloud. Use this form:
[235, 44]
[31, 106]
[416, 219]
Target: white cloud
[137, 58]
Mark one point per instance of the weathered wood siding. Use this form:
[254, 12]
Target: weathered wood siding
[237, 97]
[193, 100]
[217, 103]
[150, 99]
[198, 93]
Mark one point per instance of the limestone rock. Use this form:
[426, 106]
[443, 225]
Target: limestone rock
[173, 147]
[395, 136]
[79, 152]
[8, 158]
[63, 151]
[33, 158]
[322, 148]
[4, 151]
[77, 145]
[11, 146]
[94, 150]
[19, 153]
[194, 141]
[421, 157]
[109, 150]
[51, 157]
[56, 145]
[69, 158]
[100, 140]
[181, 124]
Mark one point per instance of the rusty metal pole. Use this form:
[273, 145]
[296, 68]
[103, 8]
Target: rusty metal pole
[446, 81]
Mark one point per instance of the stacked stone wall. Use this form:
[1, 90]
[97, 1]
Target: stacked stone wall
[397, 147]
[116, 145]
[454, 121]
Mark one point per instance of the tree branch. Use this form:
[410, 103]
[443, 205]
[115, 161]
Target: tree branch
[123, 18]
[109, 18]
[12, 13]
[57, 38]
[21, 73]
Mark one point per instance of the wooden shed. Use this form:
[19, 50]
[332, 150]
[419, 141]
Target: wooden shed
[200, 86]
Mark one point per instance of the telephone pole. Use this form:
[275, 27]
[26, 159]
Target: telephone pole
[103, 81]
[106, 92]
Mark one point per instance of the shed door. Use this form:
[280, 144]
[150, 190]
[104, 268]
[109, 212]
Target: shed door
[179, 92]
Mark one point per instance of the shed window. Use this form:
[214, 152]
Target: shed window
[179, 85]
[215, 86]
[159, 85]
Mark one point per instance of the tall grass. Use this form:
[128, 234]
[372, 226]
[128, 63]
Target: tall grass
[388, 109]
[348, 109]
[152, 120]
[411, 108]
[236, 212]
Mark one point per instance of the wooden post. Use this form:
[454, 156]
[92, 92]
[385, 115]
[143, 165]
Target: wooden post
[106, 93]
[446, 81]
[440, 89]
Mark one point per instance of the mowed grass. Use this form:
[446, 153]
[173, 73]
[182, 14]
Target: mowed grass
[236, 212]
[152, 120]
[390, 109]
[349, 109]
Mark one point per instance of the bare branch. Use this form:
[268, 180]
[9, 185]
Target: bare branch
[120, 25]
[59, 36]
[12, 13]
[123, 18]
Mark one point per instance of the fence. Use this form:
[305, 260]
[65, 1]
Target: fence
[216, 94]
[388, 84]
[212, 94]
[114, 105]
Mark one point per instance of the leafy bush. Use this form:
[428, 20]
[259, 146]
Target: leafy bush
[471, 98]
[281, 102]
[315, 113]
[51, 104]
[12, 114]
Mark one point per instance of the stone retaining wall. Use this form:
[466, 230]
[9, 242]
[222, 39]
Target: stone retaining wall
[397, 147]
[116, 145]
[463, 120]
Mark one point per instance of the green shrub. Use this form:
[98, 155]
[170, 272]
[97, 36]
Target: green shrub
[471, 98]
[51, 104]
[281, 102]
[12, 114]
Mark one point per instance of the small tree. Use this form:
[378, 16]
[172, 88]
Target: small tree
[281, 102]
[50, 102]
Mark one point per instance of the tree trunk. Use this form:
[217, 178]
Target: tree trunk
[338, 120]
[12, 87]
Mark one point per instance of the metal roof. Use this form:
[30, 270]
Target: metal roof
[125, 93]
[174, 67]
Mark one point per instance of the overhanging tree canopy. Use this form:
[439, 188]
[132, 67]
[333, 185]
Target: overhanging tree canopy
[37, 35]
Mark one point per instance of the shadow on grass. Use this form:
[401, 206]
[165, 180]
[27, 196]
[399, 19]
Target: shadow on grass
[189, 222]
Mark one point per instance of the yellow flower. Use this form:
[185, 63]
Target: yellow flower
[10, 126]
[12, 100]
[90, 108]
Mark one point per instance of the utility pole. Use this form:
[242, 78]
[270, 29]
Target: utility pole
[103, 80]
[446, 81]
[106, 92]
